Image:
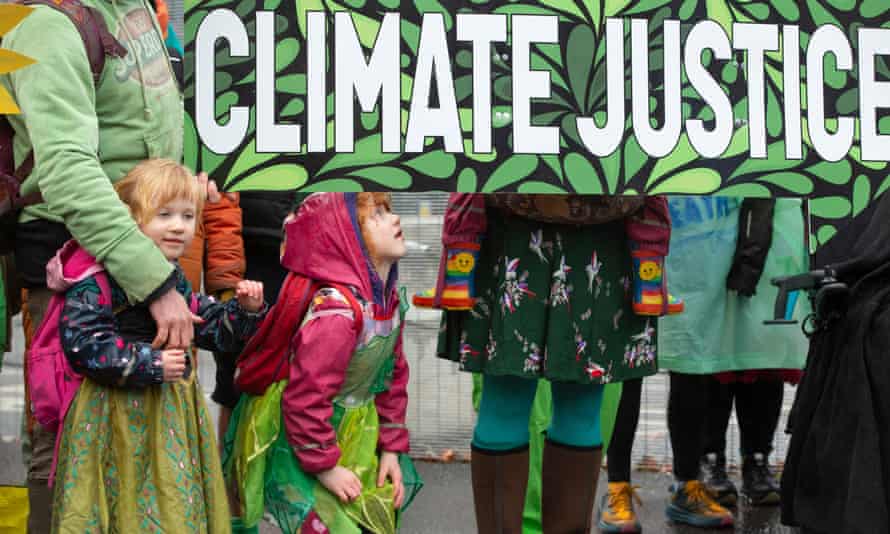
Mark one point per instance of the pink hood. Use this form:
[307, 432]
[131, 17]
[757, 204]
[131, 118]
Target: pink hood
[70, 265]
[324, 243]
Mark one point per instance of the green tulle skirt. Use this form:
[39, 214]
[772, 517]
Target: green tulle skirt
[260, 463]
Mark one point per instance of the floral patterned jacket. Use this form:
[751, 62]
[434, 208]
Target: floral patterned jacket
[111, 345]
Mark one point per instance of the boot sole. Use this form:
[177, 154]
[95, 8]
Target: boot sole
[679, 515]
[608, 528]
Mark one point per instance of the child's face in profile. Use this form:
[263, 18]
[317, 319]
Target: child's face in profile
[383, 230]
[172, 228]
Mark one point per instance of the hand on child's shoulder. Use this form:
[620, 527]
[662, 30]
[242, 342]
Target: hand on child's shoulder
[250, 295]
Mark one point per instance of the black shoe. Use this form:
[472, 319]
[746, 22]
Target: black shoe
[713, 466]
[758, 483]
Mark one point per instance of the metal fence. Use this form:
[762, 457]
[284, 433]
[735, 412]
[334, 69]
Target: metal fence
[440, 411]
[440, 408]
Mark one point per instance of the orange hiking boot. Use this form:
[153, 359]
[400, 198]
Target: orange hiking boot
[694, 505]
[617, 514]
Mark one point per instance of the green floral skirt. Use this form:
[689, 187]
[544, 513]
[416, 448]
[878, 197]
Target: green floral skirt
[139, 460]
[554, 301]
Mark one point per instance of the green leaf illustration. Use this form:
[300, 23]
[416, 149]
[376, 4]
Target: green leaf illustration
[533, 186]
[438, 164]
[699, 181]
[581, 174]
[367, 151]
[794, 182]
[281, 177]
[861, 194]
[249, 159]
[335, 184]
[389, 177]
[466, 181]
[831, 207]
[515, 169]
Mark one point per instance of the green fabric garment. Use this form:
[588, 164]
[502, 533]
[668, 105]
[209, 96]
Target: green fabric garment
[720, 330]
[537, 426]
[133, 459]
[553, 302]
[261, 464]
[85, 136]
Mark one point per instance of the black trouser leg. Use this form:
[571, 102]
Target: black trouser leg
[621, 444]
[719, 410]
[758, 406]
[686, 422]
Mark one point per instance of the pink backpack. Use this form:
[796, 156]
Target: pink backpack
[51, 380]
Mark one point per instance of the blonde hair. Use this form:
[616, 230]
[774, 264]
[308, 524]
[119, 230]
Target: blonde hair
[156, 182]
[365, 206]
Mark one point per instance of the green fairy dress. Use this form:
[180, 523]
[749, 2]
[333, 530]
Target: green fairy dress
[267, 474]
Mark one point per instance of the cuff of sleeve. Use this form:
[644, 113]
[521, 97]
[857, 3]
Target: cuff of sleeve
[393, 438]
[168, 284]
[743, 279]
[257, 315]
[318, 459]
[156, 374]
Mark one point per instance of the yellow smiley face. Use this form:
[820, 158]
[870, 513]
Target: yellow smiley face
[649, 270]
[462, 262]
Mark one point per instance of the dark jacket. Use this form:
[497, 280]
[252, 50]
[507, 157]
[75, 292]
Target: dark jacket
[111, 344]
[837, 474]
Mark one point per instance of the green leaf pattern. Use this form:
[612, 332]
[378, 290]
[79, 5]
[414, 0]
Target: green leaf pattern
[578, 79]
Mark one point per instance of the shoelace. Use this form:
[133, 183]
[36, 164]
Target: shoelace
[620, 501]
[701, 497]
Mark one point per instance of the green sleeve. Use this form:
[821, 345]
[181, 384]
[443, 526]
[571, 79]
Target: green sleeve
[57, 98]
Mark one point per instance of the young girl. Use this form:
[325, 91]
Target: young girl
[137, 450]
[323, 451]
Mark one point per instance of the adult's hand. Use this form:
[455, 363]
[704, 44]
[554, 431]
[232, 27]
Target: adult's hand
[176, 323]
[213, 194]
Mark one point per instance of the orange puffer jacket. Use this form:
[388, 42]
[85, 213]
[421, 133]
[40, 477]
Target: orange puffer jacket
[217, 252]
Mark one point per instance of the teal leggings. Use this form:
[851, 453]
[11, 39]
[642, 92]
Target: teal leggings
[507, 402]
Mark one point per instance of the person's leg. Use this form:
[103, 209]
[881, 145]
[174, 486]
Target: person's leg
[224, 394]
[618, 454]
[42, 442]
[691, 503]
[572, 458]
[616, 508]
[499, 463]
[686, 415]
[759, 406]
[713, 462]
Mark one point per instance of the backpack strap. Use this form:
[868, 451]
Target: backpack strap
[104, 287]
[97, 39]
[98, 43]
[357, 311]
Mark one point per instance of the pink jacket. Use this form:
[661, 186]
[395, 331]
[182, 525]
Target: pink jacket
[324, 244]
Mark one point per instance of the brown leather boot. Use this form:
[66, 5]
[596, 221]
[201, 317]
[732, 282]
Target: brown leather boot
[569, 487]
[499, 481]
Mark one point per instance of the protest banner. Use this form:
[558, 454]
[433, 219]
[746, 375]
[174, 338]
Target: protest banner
[734, 97]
